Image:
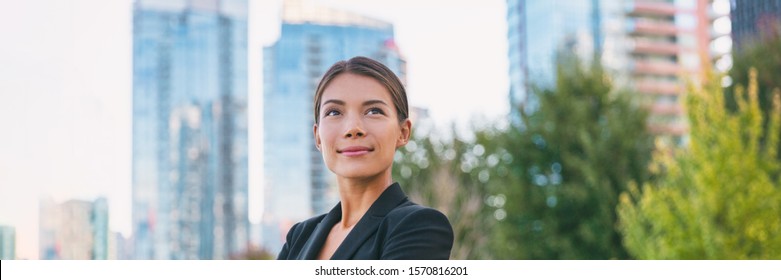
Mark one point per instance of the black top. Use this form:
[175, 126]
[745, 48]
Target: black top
[392, 228]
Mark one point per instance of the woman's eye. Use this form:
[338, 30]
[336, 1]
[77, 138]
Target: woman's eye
[375, 111]
[332, 113]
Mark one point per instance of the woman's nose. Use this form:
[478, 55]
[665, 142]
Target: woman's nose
[355, 129]
[356, 133]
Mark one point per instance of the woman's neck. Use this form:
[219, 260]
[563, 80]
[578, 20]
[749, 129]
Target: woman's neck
[358, 194]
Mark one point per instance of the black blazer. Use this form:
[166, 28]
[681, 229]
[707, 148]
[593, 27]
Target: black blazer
[392, 228]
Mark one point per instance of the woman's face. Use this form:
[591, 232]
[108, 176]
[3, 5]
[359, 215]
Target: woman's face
[359, 129]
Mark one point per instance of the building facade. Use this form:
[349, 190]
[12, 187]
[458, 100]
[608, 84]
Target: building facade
[74, 230]
[297, 184]
[190, 179]
[651, 46]
[752, 19]
[7, 243]
[540, 30]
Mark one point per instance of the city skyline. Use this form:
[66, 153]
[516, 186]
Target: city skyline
[69, 139]
[652, 47]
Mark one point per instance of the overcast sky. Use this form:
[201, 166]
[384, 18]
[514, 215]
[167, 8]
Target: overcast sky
[65, 91]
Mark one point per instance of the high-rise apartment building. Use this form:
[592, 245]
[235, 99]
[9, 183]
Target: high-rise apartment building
[7, 243]
[74, 230]
[652, 46]
[297, 183]
[190, 177]
[663, 48]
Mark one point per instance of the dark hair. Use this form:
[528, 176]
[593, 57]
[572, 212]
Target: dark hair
[370, 68]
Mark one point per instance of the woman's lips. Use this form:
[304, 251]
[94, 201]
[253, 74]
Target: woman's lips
[355, 151]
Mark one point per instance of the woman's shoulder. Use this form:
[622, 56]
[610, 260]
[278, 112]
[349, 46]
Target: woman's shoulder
[414, 231]
[413, 213]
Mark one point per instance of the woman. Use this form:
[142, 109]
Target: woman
[361, 118]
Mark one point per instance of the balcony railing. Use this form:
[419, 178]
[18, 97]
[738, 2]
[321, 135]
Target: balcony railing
[675, 129]
[656, 48]
[654, 28]
[666, 109]
[656, 68]
[651, 8]
[658, 88]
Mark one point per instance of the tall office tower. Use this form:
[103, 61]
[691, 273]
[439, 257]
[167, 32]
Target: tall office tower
[7, 243]
[538, 31]
[74, 230]
[297, 183]
[752, 19]
[190, 129]
[653, 46]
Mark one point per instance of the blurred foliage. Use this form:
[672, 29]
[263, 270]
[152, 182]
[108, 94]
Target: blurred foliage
[545, 188]
[568, 162]
[720, 198]
[763, 54]
[444, 173]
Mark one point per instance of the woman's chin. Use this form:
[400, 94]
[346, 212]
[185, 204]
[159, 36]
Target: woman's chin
[353, 175]
[358, 172]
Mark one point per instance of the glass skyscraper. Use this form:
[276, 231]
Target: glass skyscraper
[190, 129]
[297, 184]
[538, 31]
[652, 46]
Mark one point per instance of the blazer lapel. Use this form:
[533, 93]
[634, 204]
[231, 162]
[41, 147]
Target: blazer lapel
[387, 201]
[315, 241]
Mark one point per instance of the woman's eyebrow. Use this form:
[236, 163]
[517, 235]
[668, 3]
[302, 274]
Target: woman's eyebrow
[337, 101]
[365, 103]
[374, 101]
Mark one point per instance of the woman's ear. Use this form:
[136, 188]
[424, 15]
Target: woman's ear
[406, 131]
[317, 137]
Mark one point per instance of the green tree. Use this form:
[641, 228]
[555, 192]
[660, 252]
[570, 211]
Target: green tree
[718, 198]
[563, 167]
[545, 188]
[444, 173]
[763, 54]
